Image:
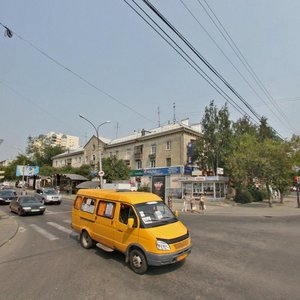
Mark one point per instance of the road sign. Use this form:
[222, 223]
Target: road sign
[101, 173]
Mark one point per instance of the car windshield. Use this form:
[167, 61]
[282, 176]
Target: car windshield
[7, 193]
[29, 200]
[154, 214]
[50, 192]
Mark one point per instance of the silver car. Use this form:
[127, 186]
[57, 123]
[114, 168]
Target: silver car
[48, 195]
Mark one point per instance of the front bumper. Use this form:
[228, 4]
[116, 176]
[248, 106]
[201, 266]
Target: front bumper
[154, 259]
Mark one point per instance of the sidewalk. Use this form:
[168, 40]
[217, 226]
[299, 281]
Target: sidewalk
[9, 226]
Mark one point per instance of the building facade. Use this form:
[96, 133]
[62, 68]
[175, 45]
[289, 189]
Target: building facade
[159, 158]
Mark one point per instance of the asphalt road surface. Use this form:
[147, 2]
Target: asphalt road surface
[233, 257]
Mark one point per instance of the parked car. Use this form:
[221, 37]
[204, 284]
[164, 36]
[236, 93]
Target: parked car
[48, 195]
[6, 196]
[27, 205]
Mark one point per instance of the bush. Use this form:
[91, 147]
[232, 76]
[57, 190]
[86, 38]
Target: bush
[144, 188]
[243, 197]
[258, 195]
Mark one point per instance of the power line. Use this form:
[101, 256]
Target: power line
[201, 57]
[247, 66]
[229, 60]
[76, 74]
[186, 57]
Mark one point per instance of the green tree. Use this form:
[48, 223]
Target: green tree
[214, 146]
[41, 151]
[115, 169]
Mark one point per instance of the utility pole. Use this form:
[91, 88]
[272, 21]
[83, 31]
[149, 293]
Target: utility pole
[100, 171]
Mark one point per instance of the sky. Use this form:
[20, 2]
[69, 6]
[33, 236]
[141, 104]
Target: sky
[102, 60]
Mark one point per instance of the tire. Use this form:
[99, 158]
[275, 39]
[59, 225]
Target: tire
[138, 262]
[58, 202]
[20, 212]
[85, 240]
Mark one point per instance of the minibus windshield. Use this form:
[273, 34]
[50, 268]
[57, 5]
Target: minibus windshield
[154, 213]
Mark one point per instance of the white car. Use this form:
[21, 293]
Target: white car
[48, 195]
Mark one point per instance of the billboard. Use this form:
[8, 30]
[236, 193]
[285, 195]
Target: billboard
[27, 170]
[159, 186]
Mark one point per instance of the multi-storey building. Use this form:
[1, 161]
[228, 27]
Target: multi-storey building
[64, 140]
[160, 155]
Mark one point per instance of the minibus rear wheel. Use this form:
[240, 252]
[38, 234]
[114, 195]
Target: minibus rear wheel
[138, 262]
[85, 240]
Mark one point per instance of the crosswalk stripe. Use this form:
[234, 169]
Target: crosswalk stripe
[45, 233]
[61, 228]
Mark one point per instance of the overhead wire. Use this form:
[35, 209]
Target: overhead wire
[75, 74]
[247, 66]
[200, 56]
[186, 57]
[229, 60]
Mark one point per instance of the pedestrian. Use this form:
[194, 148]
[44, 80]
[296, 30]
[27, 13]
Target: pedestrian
[170, 204]
[202, 202]
[193, 203]
[185, 202]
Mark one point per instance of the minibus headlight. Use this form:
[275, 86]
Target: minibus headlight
[160, 245]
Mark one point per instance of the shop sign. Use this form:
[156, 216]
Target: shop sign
[137, 173]
[162, 171]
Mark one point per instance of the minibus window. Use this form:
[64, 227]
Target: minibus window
[88, 205]
[106, 209]
[126, 211]
[154, 213]
[78, 202]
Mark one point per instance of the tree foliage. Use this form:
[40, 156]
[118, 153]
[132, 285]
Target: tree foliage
[115, 169]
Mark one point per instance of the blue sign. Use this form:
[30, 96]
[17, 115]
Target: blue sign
[162, 171]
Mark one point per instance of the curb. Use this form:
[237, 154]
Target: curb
[8, 220]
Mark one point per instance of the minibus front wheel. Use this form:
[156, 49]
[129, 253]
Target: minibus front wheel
[138, 262]
[85, 240]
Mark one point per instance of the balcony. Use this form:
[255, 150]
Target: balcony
[138, 156]
[152, 156]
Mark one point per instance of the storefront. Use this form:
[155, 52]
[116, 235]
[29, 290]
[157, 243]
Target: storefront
[213, 187]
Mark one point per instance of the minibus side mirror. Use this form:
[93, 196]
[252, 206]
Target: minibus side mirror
[176, 213]
[130, 223]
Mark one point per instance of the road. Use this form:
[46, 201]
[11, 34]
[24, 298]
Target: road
[233, 257]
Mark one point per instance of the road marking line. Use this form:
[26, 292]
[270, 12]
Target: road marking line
[61, 228]
[22, 229]
[50, 212]
[45, 233]
[68, 221]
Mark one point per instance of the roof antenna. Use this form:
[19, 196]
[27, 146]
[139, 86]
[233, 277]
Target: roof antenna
[158, 113]
[174, 117]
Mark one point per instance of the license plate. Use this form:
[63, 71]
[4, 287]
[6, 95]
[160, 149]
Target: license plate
[181, 257]
[35, 210]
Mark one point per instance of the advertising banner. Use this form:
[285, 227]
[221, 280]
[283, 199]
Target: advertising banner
[159, 186]
[27, 170]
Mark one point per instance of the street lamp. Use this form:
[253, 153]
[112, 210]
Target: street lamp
[100, 172]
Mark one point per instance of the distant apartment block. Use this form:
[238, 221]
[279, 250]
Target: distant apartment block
[64, 140]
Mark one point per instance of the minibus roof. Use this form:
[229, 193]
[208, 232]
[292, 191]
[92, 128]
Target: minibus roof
[119, 195]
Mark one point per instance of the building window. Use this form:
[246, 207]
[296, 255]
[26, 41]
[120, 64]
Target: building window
[94, 147]
[138, 164]
[128, 154]
[153, 149]
[168, 145]
[168, 161]
[117, 154]
[110, 154]
[152, 163]
[94, 157]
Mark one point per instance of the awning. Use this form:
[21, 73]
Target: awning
[88, 185]
[75, 177]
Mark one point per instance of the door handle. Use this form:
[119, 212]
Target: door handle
[120, 230]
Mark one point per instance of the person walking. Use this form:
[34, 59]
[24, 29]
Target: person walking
[193, 203]
[170, 204]
[202, 202]
[185, 202]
